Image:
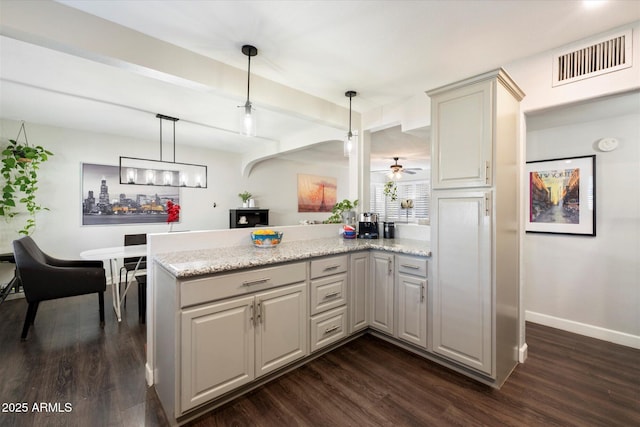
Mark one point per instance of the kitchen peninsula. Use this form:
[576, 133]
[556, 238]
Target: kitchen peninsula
[229, 318]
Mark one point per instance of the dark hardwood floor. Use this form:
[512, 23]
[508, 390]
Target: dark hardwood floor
[86, 376]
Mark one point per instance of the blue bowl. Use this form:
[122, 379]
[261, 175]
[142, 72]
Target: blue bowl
[349, 234]
[269, 240]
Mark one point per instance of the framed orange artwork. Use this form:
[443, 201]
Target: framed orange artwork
[316, 193]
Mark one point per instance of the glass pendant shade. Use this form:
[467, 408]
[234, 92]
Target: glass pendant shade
[348, 145]
[138, 171]
[248, 120]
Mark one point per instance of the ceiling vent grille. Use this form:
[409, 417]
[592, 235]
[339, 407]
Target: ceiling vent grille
[608, 55]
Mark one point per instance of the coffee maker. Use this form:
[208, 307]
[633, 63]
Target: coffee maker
[368, 226]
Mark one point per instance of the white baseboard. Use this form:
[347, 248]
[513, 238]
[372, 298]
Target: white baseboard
[148, 374]
[523, 353]
[610, 335]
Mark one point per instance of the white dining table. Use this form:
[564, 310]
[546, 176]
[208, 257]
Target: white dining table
[113, 254]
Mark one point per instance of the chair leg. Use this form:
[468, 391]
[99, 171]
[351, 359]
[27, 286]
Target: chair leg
[28, 320]
[101, 303]
[35, 311]
[142, 302]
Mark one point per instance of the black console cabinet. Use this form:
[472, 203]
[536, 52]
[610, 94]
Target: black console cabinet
[252, 217]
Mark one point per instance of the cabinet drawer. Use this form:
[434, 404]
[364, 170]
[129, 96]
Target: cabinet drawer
[198, 291]
[326, 266]
[328, 292]
[412, 265]
[329, 327]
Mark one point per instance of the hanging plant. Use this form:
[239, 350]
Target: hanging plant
[390, 190]
[20, 164]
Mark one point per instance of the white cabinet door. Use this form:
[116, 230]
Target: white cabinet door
[462, 306]
[281, 327]
[359, 291]
[382, 291]
[217, 350]
[412, 309]
[462, 136]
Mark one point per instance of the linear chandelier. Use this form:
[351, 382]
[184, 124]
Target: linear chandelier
[137, 171]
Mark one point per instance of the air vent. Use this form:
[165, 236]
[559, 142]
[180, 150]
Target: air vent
[611, 54]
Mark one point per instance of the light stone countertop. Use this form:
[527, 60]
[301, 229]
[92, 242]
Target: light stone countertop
[186, 264]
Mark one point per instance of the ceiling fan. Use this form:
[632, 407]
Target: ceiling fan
[397, 170]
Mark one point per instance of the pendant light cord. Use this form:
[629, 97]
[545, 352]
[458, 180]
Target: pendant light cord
[350, 133]
[23, 130]
[248, 80]
[174, 120]
[350, 94]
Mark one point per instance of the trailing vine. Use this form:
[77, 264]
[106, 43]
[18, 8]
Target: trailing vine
[391, 190]
[20, 164]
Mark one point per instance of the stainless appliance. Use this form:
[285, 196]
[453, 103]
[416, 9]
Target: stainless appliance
[368, 226]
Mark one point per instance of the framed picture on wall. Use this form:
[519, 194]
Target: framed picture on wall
[562, 196]
[316, 193]
[105, 201]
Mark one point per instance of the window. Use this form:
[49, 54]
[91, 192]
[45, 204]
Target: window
[418, 191]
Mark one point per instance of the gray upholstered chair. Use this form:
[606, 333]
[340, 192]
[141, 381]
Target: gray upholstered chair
[45, 278]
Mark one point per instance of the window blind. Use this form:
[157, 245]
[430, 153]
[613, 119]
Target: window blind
[418, 191]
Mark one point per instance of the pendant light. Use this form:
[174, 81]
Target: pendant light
[138, 171]
[248, 116]
[348, 142]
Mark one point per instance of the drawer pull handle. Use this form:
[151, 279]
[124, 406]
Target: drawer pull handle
[331, 329]
[256, 282]
[414, 267]
[332, 295]
[331, 267]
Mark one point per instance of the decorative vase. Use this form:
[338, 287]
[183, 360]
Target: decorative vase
[245, 204]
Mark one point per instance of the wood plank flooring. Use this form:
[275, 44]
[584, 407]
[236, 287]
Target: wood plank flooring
[568, 380]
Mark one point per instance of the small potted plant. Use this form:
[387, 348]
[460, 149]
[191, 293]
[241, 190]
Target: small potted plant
[342, 211]
[245, 196]
[20, 163]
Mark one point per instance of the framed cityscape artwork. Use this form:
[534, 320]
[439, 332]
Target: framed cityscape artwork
[562, 196]
[107, 202]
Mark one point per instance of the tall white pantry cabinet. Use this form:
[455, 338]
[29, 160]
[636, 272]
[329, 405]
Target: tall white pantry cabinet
[474, 227]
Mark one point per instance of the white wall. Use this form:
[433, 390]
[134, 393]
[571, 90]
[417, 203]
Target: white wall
[534, 75]
[274, 183]
[590, 285]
